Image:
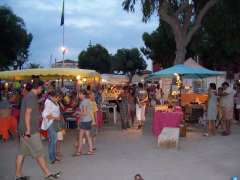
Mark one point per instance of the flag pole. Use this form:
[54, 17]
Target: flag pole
[63, 37]
[63, 34]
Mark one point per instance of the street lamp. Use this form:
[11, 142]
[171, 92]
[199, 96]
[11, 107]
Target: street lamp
[63, 50]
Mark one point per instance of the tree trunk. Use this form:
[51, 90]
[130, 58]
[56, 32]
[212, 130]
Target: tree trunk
[181, 50]
[183, 35]
[180, 55]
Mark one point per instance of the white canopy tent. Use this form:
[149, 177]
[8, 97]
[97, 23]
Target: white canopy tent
[114, 79]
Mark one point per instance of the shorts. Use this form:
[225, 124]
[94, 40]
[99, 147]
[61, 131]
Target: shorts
[140, 113]
[32, 146]
[227, 113]
[86, 125]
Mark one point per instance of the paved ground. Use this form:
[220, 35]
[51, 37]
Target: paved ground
[120, 155]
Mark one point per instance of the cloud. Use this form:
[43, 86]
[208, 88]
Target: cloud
[103, 22]
[42, 5]
[125, 23]
[82, 23]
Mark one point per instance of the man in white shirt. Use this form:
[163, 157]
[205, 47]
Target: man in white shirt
[227, 107]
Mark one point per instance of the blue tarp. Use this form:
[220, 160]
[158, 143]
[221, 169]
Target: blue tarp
[186, 72]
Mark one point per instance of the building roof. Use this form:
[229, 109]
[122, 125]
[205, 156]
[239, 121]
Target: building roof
[67, 61]
[192, 63]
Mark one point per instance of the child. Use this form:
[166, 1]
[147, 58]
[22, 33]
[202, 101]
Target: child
[138, 177]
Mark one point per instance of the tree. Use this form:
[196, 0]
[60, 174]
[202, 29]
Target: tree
[218, 42]
[95, 57]
[183, 16]
[160, 46]
[128, 61]
[14, 40]
[34, 66]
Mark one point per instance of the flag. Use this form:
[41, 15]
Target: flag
[62, 17]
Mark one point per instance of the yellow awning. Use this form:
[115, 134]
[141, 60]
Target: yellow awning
[50, 73]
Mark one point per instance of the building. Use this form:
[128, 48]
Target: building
[65, 64]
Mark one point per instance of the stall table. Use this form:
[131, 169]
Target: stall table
[114, 107]
[192, 97]
[165, 119]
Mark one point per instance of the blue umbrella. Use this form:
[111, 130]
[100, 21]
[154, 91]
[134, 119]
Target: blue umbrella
[186, 72]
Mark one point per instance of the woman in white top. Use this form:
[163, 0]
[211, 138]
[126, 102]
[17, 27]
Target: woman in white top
[212, 109]
[51, 120]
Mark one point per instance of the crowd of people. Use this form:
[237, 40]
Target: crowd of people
[48, 107]
[42, 108]
[43, 111]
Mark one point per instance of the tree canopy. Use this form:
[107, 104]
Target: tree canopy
[14, 40]
[125, 61]
[95, 57]
[216, 43]
[128, 61]
[34, 66]
[183, 16]
[160, 46]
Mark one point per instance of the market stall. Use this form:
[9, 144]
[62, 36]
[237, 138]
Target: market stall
[78, 77]
[51, 73]
[112, 87]
[179, 72]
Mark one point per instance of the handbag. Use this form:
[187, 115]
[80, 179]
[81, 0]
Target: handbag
[46, 124]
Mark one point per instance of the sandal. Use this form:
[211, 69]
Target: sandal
[23, 178]
[77, 154]
[57, 159]
[59, 155]
[206, 134]
[53, 176]
[225, 133]
[90, 153]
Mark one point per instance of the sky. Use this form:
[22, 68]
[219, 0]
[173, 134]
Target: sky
[98, 21]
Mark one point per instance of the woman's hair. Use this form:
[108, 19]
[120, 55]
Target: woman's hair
[28, 87]
[125, 88]
[89, 88]
[36, 83]
[84, 92]
[213, 86]
[138, 177]
[225, 84]
[140, 85]
[56, 93]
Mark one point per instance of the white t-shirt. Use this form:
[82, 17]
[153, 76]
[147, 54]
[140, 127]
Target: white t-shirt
[50, 108]
[228, 100]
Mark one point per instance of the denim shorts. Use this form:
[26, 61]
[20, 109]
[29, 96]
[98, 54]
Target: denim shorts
[86, 125]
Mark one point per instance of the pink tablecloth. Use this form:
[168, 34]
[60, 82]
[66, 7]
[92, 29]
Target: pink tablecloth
[165, 119]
